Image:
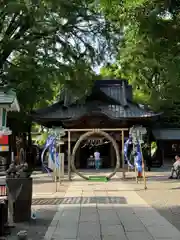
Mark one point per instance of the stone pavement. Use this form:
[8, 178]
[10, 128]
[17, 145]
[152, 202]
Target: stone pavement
[102, 211]
[43, 188]
[163, 195]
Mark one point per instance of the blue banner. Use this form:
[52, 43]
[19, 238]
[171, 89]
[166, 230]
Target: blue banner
[126, 148]
[54, 156]
[137, 157]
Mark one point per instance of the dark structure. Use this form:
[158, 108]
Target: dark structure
[109, 105]
[168, 141]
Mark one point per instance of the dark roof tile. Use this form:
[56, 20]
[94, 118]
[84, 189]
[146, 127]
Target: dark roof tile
[111, 98]
[111, 111]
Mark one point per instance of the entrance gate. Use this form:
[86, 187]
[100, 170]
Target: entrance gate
[90, 132]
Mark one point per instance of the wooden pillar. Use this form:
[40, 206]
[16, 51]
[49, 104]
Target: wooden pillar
[77, 158]
[111, 156]
[162, 153]
[162, 162]
[122, 153]
[143, 168]
[69, 155]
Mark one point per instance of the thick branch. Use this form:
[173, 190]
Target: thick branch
[10, 47]
[13, 25]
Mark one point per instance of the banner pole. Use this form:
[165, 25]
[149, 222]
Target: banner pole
[143, 168]
[55, 165]
[60, 164]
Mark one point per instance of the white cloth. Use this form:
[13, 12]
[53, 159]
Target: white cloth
[97, 155]
[176, 164]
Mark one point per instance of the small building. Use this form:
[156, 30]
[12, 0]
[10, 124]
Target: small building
[8, 102]
[109, 105]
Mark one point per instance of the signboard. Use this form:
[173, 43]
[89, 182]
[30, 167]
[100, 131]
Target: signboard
[4, 140]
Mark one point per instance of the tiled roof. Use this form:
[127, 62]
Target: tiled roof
[112, 111]
[9, 98]
[130, 111]
[6, 98]
[119, 91]
[112, 98]
[116, 93]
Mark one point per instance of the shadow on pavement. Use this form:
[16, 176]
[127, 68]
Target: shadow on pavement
[80, 200]
[170, 213]
[110, 216]
[36, 228]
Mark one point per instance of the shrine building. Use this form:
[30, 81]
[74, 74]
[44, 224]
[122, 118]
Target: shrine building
[109, 105]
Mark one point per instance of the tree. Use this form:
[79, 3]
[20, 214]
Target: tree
[63, 33]
[148, 53]
[44, 44]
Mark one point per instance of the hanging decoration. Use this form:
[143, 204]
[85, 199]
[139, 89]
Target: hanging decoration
[50, 145]
[138, 158]
[126, 150]
[136, 135]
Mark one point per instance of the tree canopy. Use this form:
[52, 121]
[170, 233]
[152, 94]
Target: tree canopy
[44, 44]
[68, 30]
[149, 51]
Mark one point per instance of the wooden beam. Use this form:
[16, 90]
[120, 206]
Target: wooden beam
[69, 155]
[96, 129]
[122, 153]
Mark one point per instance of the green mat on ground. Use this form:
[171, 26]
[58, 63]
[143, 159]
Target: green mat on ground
[98, 178]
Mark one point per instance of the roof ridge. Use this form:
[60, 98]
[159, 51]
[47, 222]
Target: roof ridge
[124, 98]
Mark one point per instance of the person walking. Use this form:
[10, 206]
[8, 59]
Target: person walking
[97, 159]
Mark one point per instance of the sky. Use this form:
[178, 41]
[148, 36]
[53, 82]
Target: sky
[97, 69]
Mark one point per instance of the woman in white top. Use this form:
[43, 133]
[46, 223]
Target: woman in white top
[97, 159]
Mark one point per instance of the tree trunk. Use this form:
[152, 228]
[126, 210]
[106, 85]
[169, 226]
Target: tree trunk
[30, 153]
[29, 135]
[24, 139]
[12, 140]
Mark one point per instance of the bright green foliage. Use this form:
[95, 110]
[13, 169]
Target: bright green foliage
[149, 51]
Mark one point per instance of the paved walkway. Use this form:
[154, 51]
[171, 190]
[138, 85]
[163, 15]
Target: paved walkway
[103, 211]
[44, 192]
